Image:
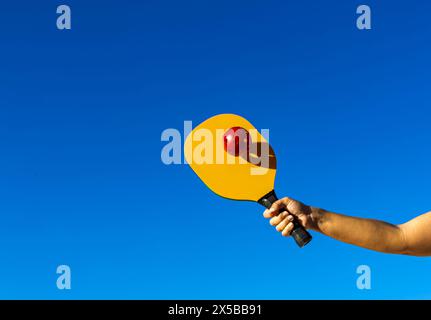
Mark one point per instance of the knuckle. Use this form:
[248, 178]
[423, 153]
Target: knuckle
[286, 200]
[290, 204]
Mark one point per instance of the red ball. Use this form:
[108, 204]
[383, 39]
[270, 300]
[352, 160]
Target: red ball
[236, 142]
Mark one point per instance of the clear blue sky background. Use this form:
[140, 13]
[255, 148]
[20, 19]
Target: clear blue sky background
[82, 111]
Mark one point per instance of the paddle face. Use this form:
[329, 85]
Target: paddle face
[225, 174]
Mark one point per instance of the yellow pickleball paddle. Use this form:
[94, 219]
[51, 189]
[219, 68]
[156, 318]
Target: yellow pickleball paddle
[231, 176]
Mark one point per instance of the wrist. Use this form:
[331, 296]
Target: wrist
[318, 217]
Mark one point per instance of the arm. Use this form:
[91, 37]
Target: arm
[411, 238]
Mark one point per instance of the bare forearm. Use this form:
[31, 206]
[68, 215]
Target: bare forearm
[367, 233]
[410, 238]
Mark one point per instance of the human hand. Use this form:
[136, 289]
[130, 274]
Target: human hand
[283, 221]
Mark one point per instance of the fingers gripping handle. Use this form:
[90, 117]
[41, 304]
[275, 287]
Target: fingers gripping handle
[301, 236]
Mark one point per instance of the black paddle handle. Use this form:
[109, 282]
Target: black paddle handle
[301, 236]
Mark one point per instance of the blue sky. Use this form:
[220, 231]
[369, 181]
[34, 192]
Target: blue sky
[82, 111]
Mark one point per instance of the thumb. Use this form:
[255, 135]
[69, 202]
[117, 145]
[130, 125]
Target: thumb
[275, 209]
[294, 207]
